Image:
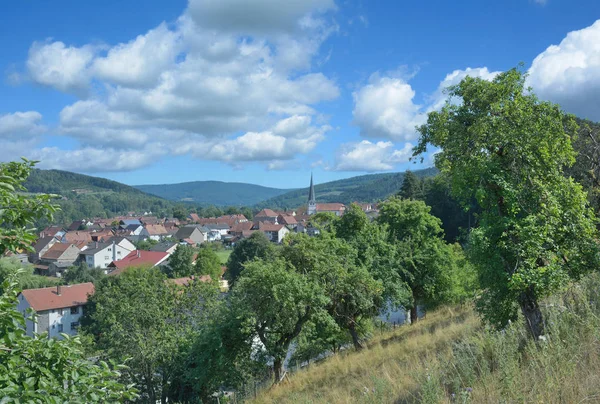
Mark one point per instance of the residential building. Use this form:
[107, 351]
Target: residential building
[266, 215]
[274, 232]
[61, 252]
[41, 246]
[100, 255]
[287, 220]
[76, 237]
[156, 231]
[53, 231]
[137, 258]
[165, 246]
[193, 233]
[58, 309]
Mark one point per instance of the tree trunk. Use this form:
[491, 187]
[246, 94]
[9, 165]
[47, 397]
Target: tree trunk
[355, 339]
[414, 315]
[278, 369]
[532, 313]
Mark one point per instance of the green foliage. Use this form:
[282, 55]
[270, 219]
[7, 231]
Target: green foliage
[25, 279]
[208, 263]
[19, 211]
[425, 261]
[142, 316]
[277, 300]
[146, 244]
[81, 273]
[507, 150]
[412, 186]
[253, 247]
[180, 262]
[39, 369]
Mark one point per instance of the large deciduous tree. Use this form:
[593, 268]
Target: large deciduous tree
[425, 261]
[180, 262]
[208, 263]
[506, 149]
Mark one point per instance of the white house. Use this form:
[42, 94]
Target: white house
[100, 255]
[58, 309]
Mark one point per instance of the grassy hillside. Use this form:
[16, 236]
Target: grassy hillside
[213, 192]
[83, 196]
[364, 188]
[450, 357]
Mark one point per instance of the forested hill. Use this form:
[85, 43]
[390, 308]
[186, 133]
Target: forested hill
[364, 188]
[214, 192]
[83, 196]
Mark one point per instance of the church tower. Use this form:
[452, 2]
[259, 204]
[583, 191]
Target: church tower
[312, 202]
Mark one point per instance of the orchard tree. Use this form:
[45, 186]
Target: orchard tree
[208, 263]
[425, 261]
[503, 147]
[180, 262]
[253, 247]
[277, 301]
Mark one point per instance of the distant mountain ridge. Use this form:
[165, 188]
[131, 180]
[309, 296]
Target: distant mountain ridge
[364, 188]
[216, 193]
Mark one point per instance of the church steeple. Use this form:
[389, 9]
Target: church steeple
[311, 190]
[312, 201]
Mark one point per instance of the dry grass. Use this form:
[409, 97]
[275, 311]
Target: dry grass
[450, 358]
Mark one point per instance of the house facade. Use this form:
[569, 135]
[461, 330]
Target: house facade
[58, 309]
[192, 233]
[100, 255]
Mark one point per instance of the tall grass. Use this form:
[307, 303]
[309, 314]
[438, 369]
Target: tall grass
[450, 357]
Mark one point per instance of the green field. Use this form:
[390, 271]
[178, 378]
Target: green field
[224, 255]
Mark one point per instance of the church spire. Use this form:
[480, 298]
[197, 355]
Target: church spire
[311, 191]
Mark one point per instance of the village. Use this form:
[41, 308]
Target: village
[112, 245]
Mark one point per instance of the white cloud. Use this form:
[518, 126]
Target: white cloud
[63, 67]
[229, 81]
[438, 99]
[368, 156]
[569, 73]
[21, 124]
[141, 61]
[384, 108]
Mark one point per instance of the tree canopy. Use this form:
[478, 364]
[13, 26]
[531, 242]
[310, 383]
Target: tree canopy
[504, 148]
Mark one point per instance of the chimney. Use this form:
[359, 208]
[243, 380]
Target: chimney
[58, 289]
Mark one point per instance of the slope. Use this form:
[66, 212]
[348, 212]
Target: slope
[83, 196]
[213, 192]
[364, 188]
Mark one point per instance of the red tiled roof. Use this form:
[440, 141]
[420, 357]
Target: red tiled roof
[76, 236]
[240, 227]
[287, 219]
[56, 251]
[51, 231]
[266, 213]
[269, 226]
[330, 206]
[132, 259]
[195, 217]
[156, 229]
[48, 298]
[185, 281]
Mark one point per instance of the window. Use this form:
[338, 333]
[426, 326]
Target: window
[60, 328]
[74, 325]
[118, 252]
[75, 310]
[60, 312]
[106, 257]
[110, 249]
[53, 326]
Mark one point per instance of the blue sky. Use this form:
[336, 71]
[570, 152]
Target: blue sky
[258, 92]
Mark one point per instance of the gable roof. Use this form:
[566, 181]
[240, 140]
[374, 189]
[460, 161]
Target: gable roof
[194, 217]
[287, 219]
[42, 243]
[136, 258]
[266, 213]
[51, 231]
[75, 225]
[77, 236]
[156, 229]
[56, 251]
[94, 248]
[163, 247]
[48, 298]
[185, 232]
[330, 206]
[263, 226]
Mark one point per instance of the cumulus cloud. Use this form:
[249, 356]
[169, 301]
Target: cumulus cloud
[569, 73]
[384, 108]
[21, 124]
[231, 80]
[368, 156]
[63, 67]
[438, 99]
